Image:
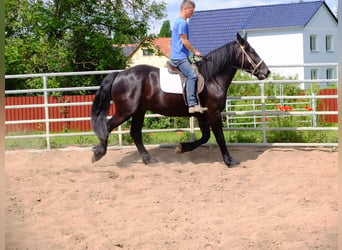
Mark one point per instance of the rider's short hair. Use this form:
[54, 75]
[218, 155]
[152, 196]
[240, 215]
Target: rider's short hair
[187, 4]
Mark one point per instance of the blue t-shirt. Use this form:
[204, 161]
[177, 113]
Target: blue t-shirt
[178, 50]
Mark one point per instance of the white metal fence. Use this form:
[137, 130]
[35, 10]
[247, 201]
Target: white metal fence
[259, 115]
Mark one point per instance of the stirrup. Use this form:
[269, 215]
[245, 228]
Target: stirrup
[197, 109]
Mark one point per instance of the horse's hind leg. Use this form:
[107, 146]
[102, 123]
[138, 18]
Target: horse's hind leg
[101, 149]
[205, 129]
[137, 124]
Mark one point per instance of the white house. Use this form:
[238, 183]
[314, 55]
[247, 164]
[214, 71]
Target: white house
[282, 34]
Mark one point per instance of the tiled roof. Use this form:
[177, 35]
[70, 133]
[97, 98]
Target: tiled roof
[163, 44]
[282, 15]
[213, 28]
[127, 49]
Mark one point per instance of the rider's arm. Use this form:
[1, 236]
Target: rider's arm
[188, 45]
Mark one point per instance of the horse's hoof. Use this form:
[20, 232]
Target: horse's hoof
[148, 160]
[93, 159]
[178, 150]
[233, 163]
[97, 154]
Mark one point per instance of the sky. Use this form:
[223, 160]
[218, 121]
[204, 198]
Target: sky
[174, 5]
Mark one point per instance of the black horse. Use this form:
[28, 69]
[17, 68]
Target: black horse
[137, 89]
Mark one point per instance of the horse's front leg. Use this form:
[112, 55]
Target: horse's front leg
[137, 124]
[216, 126]
[205, 129]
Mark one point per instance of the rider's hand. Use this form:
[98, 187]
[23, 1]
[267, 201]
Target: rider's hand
[197, 53]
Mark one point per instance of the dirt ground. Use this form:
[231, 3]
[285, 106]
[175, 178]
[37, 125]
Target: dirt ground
[277, 198]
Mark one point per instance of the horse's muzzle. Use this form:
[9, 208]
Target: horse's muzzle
[262, 74]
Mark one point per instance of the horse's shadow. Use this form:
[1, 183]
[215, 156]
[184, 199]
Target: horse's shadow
[207, 154]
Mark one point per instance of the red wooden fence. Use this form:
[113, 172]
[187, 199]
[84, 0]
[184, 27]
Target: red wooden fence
[84, 111]
[54, 113]
[328, 105]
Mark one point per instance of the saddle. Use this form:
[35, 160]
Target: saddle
[172, 69]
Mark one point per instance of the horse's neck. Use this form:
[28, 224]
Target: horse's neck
[220, 68]
[225, 61]
[226, 79]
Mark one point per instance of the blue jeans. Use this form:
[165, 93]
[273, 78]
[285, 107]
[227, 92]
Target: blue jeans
[191, 80]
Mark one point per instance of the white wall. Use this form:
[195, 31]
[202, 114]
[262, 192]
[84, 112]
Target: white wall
[154, 60]
[292, 46]
[322, 24]
[279, 47]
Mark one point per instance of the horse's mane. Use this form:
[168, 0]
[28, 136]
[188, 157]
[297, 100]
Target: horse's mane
[217, 61]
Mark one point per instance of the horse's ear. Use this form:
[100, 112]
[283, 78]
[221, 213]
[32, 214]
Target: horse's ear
[240, 39]
[245, 35]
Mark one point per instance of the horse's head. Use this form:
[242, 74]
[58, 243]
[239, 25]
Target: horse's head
[249, 60]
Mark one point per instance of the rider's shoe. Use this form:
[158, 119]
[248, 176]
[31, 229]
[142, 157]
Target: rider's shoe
[197, 109]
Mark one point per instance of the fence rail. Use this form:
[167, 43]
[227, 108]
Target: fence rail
[262, 114]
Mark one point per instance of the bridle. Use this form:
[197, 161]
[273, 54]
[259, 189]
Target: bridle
[250, 60]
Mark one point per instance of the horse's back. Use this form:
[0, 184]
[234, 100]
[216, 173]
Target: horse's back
[142, 69]
[136, 79]
[136, 75]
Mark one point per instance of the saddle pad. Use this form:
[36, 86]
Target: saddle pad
[170, 83]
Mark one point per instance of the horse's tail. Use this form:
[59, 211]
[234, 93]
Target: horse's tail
[100, 107]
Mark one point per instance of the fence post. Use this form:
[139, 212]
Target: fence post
[227, 117]
[263, 118]
[192, 129]
[120, 136]
[46, 110]
[281, 94]
[313, 105]
[254, 116]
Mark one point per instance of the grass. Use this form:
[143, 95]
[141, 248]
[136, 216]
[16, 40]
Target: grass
[174, 138]
[88, 141]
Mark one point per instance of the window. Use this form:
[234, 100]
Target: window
[147, 52]
[313, 43]
[314, 74]
[329, 73]
[328, 43]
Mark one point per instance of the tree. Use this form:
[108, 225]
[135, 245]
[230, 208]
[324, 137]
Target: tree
[73, 35]
[165, 30]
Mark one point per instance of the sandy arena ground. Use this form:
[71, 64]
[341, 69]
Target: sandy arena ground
[278, 198]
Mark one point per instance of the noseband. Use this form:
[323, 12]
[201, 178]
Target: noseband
[250, 60]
